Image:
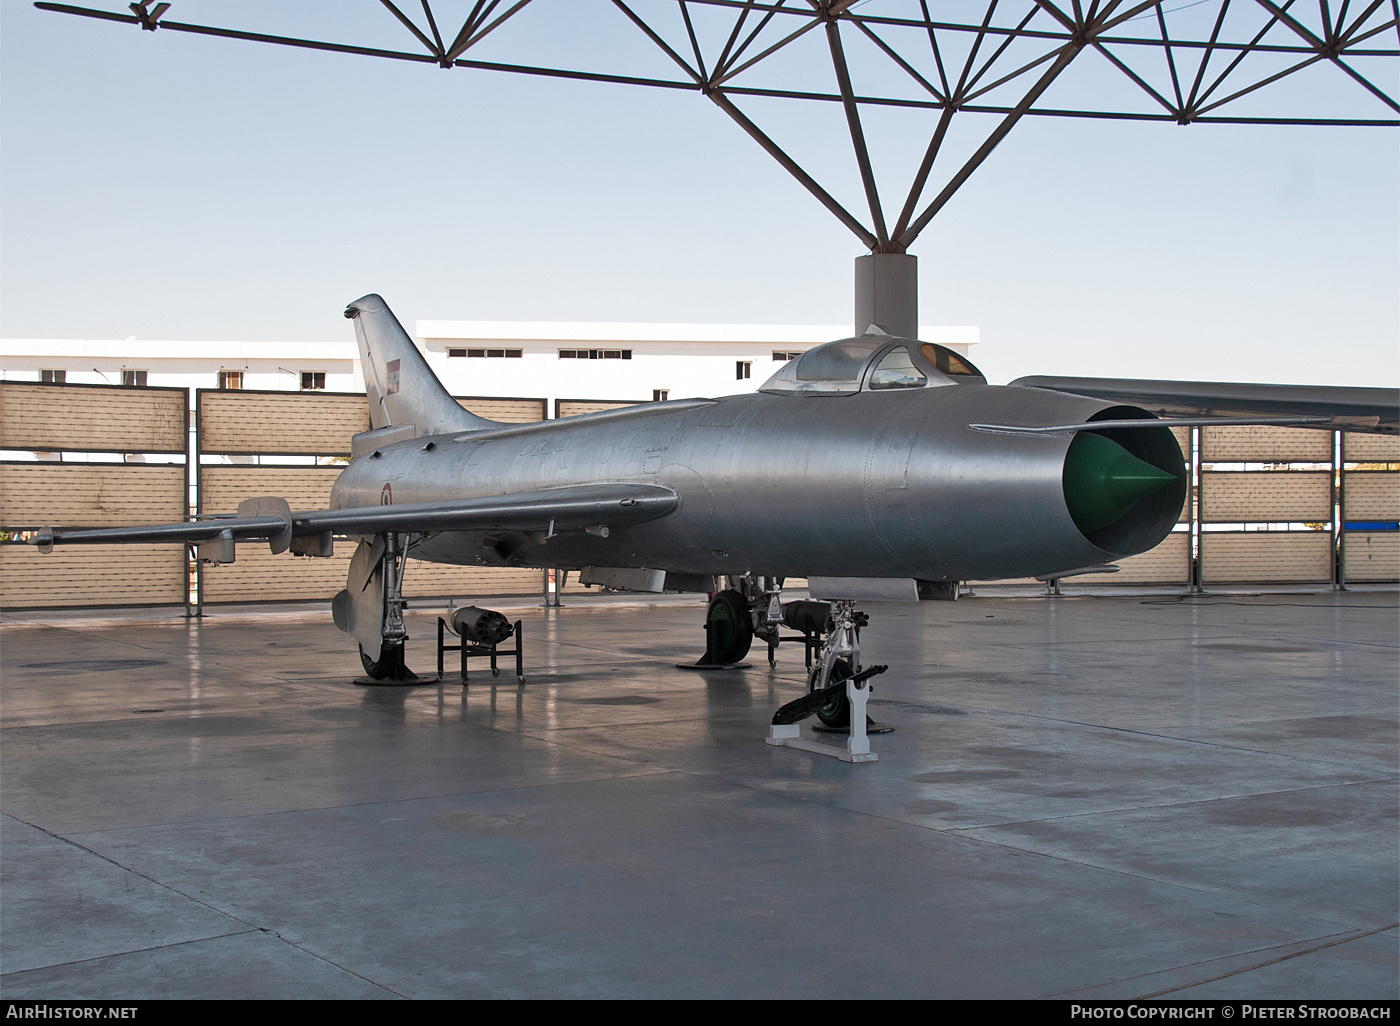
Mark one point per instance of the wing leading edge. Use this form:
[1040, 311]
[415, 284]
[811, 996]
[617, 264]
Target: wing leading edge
[1373, 410]
[568, 508]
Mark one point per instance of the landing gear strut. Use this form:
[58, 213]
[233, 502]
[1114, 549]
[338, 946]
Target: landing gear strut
[389, 667]
[841, 710]
[840, 660]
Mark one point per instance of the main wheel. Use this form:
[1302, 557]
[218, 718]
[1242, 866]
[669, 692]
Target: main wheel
[389, 665]
[733, 626]
[837, 711]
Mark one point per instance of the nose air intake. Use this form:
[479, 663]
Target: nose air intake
[1102, 481]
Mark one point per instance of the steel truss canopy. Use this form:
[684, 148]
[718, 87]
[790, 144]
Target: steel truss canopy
[947, 64]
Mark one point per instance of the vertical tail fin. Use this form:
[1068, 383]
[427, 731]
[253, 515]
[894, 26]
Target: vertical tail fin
[401, 387]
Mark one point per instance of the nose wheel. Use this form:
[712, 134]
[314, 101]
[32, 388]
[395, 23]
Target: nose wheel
[836, 692]
[836, 713]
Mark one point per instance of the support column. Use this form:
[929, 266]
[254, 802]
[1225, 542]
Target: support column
[887, 293]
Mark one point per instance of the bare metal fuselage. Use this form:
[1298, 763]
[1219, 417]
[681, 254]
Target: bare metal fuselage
[874, 484]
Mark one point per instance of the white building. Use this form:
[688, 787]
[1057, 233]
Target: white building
[527, 359]
[263, 365]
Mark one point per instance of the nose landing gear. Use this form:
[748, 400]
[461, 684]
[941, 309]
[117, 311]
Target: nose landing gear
[835, 713]
[841, 709]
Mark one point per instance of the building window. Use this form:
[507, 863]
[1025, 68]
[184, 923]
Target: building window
[595, 354]
[134, 378]
[312, 381]
[742, 369]
[510, 354]
[53, 377]
[660, 395]
[779, 357]
[230, 379]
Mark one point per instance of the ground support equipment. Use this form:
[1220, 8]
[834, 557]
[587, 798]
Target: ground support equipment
[467, 649]
[786, 729]
[811, 642]
[837, 692]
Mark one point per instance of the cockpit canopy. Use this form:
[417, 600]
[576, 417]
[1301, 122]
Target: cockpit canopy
[872, 362]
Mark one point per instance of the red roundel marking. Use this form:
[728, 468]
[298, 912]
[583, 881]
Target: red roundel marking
[386, 495]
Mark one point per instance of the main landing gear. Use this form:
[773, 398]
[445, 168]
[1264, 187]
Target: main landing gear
[729, 632]
[745, 608]
[389, 666]
[370, 608]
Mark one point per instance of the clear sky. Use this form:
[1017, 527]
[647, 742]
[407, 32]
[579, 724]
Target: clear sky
[169, 186]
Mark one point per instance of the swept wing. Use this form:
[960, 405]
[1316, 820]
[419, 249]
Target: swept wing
[1375, 410]
[566, 508]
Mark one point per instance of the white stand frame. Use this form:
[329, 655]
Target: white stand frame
[857, 747]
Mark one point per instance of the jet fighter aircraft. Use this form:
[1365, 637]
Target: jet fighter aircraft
[865, 465]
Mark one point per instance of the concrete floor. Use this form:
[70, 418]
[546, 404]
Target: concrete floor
[1085, 797]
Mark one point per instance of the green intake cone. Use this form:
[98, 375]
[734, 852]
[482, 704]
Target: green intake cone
[1102, 481]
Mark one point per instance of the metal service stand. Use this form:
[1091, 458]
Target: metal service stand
[810, 640]
[786, 729]
[468, 649]
[554, 582]
[840, 649]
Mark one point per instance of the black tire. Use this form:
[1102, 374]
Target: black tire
[837, 711]
[733, 626]
[389, 665]
[371, 666]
